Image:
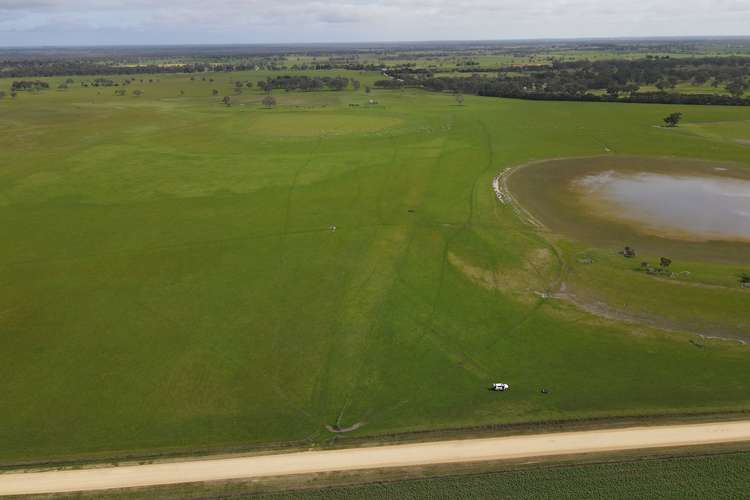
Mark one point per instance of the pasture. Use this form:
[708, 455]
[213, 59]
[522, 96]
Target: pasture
[170, 279]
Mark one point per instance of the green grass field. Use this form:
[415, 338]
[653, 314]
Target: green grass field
[169, 279]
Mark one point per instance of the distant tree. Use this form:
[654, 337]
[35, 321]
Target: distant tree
[227, 100]
[249, 85]
[673, 119]
[214, 92]
[269, 101]
[631, 88]
[29, 85]
[665, 262]
[120, 92]
[367, 89]
[628, 252]
[745, 278]
[356, 84]
[138, 93]
[700, 78]
[737, 88]
[665, 84]
[460, 99]
[338, 83]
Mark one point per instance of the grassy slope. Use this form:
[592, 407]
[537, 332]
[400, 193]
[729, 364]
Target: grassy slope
[168, 279]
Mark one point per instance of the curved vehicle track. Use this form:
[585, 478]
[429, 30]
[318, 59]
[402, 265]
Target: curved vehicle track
[403, 455]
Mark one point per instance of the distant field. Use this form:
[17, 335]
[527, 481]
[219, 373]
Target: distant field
[170, 279]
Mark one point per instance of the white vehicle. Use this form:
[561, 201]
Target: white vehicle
[500, 387]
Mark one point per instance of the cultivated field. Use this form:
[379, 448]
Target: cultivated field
[171, 280]
[707, 476]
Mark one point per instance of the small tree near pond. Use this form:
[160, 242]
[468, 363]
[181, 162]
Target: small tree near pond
[628, 252]
[673, 119]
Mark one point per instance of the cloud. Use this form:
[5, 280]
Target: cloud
[182, 21]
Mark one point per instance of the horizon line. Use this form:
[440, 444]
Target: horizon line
[384, 42]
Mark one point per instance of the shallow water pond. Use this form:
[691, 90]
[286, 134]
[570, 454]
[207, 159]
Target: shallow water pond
[694, 207]
[685, 208]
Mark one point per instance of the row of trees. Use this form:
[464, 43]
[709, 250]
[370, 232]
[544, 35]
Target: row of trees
[268, 101]
[588, 80]
[306, 83]
[37, 68]
[565, 86]
[123, 92]
[28, 85]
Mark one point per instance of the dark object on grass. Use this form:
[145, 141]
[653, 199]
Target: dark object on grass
[269, 101]
[628, 252]
[673, 119]
[545, 391]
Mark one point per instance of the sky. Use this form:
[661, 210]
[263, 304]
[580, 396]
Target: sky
[143, 22]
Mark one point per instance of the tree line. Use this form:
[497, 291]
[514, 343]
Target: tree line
[617, 80]
[306, 83]
[35, 68]
[28, 85]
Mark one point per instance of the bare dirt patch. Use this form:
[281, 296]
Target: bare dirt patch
[531, 277]
[336, 429]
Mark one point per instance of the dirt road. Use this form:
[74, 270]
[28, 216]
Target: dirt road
[439, 452]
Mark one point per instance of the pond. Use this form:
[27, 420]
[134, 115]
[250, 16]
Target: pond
[684, 208]
[691, 207]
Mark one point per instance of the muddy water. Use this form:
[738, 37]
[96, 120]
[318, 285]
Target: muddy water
[691, 207]
[687, 209]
